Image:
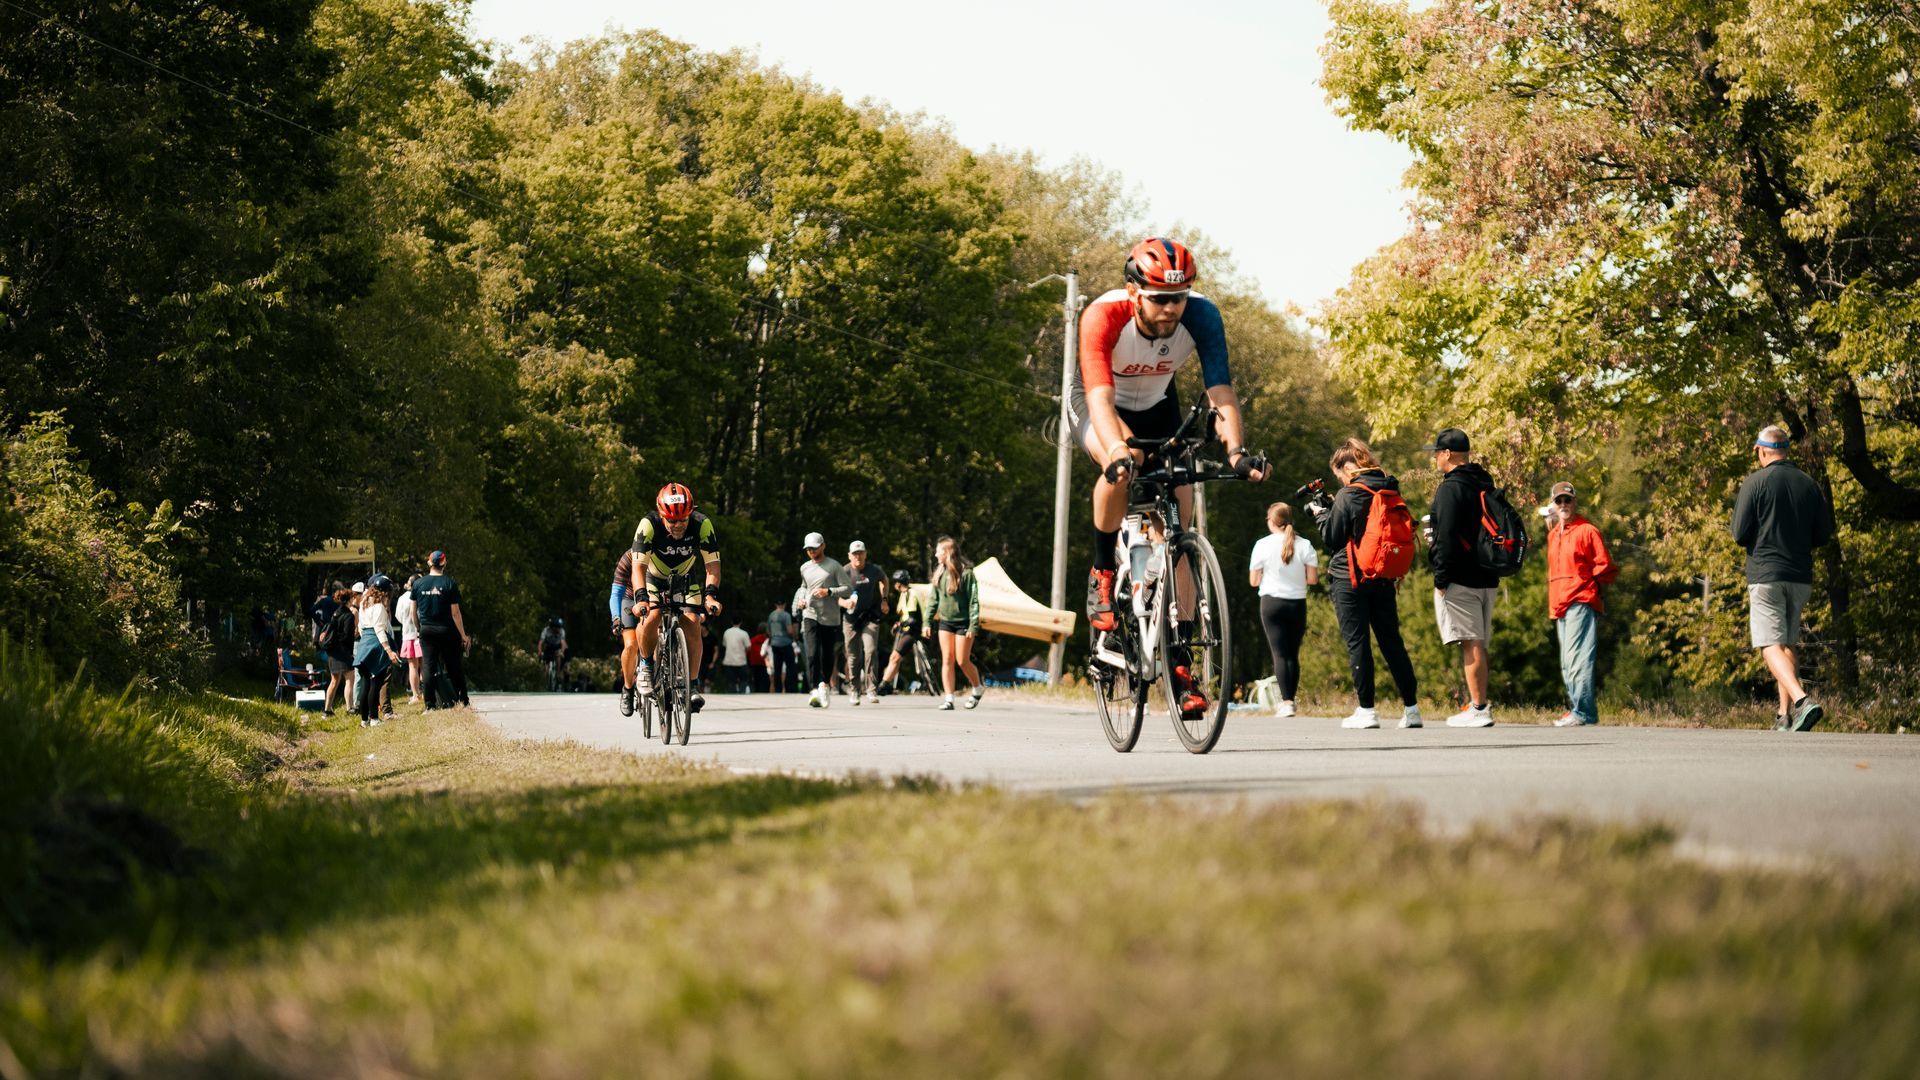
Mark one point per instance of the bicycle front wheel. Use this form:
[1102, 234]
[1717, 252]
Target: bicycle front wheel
[1196, 674]
[682, 688]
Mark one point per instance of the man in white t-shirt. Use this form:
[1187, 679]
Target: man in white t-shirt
[1283, 566]
[733, 657]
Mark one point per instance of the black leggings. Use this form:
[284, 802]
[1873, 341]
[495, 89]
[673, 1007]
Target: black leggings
[1371, 606]
[1285, 622]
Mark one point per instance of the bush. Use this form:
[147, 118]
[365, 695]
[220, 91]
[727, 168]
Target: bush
[88, 581]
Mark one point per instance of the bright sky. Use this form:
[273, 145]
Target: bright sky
[1209, 110]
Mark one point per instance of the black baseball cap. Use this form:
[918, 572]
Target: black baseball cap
[1449, 439]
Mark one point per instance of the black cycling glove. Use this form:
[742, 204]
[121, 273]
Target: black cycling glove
[1118, 468]
[1248, 462]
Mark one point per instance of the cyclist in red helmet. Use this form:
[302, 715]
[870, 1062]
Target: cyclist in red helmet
[1132, 342]
[669, 541]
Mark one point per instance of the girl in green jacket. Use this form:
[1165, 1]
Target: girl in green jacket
[956, 616]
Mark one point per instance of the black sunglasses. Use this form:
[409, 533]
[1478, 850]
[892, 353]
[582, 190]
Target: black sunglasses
[1163, 299]
[1562, 498]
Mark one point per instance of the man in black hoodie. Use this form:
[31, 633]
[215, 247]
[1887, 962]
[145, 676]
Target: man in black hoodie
[1781, 518]
[1463, 590]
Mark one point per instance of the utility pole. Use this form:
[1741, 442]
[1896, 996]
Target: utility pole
[1063, 469]
[1063, 462]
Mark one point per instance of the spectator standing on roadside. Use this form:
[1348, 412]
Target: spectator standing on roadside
[443, 634]
[1577, 567]
[1463, 590]
[1780, 518]
[757, 661]
[1364, 604]
[336, 640]
[405, 611]
[956, 617]
[780, 659]
[824, 583]
[1282, 567]
[373, 654]
[321, 613]
[734, 644]
[864, 607]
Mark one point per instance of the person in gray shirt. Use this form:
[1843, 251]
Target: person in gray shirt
[780, 648]
[1780, 517]
[824, 583]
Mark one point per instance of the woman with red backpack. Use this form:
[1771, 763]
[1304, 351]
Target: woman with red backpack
[1367, 532]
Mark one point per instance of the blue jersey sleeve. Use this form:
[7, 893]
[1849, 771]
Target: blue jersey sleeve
[1202, 320]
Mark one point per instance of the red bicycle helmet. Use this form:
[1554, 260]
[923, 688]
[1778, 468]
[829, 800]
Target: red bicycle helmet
[1158, 264]
[674, 502]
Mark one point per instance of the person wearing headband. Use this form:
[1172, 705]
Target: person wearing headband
[1781, 517]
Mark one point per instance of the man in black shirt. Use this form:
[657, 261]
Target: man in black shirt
[1463, 590]
[1780, 517]
[861, 625]
[443, 633]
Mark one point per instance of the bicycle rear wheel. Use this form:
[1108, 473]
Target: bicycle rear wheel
[1120, 696]
[1200, 646]
[924, 664]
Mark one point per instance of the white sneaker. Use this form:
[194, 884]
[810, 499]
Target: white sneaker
[814, 700]
[946, 704]
[872, 698]
[826, 696]
[1410, 717]
[1568, 719]
[1285, 708]
[973, 699]
[1361, 719]
[1472, 716]
[643, 681]
[854, 700]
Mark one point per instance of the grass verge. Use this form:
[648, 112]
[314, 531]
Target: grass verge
[427, 897]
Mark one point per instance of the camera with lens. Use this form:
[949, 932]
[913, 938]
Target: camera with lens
[1313, 498]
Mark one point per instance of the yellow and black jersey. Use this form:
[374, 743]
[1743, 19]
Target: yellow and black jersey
[664, 556]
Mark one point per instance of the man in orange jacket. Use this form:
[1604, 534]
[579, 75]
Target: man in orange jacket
[1577, 566]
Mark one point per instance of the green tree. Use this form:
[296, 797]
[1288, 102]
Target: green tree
[1657, 221]
[175, 264]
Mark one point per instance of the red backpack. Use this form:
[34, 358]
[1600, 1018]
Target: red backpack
[1385, 550]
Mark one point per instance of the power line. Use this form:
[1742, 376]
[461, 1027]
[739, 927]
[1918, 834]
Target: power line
[671, 271]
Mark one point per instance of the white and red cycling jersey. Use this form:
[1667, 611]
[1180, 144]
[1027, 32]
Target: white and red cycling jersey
[1113, 352]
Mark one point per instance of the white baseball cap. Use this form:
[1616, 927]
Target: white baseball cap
[857, 545]
[813, 540]
[359, 586]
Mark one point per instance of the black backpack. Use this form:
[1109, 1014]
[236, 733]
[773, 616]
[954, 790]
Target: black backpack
[1500, 544]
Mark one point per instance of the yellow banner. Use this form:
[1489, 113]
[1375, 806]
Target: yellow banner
[340, 551]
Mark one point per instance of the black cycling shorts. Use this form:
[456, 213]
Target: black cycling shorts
[903, 639]
[628, 620]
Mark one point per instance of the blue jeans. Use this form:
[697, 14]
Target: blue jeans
[1579, 632]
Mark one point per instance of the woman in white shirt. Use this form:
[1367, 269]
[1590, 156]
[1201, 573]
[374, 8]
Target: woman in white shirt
[409, 616]
[373, 657]
[1283, 565]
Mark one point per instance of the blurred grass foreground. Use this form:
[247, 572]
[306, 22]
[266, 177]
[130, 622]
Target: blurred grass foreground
[196, 885]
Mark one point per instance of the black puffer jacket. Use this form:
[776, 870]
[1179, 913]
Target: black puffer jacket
[1456, 525]
[1346, 522]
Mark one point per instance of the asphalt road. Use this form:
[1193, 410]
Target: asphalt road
[1763, 796]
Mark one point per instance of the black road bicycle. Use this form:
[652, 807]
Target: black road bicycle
[672, 697]
[1170, 602]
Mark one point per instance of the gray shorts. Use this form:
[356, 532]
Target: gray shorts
[1464, 614]
[1773, 612]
